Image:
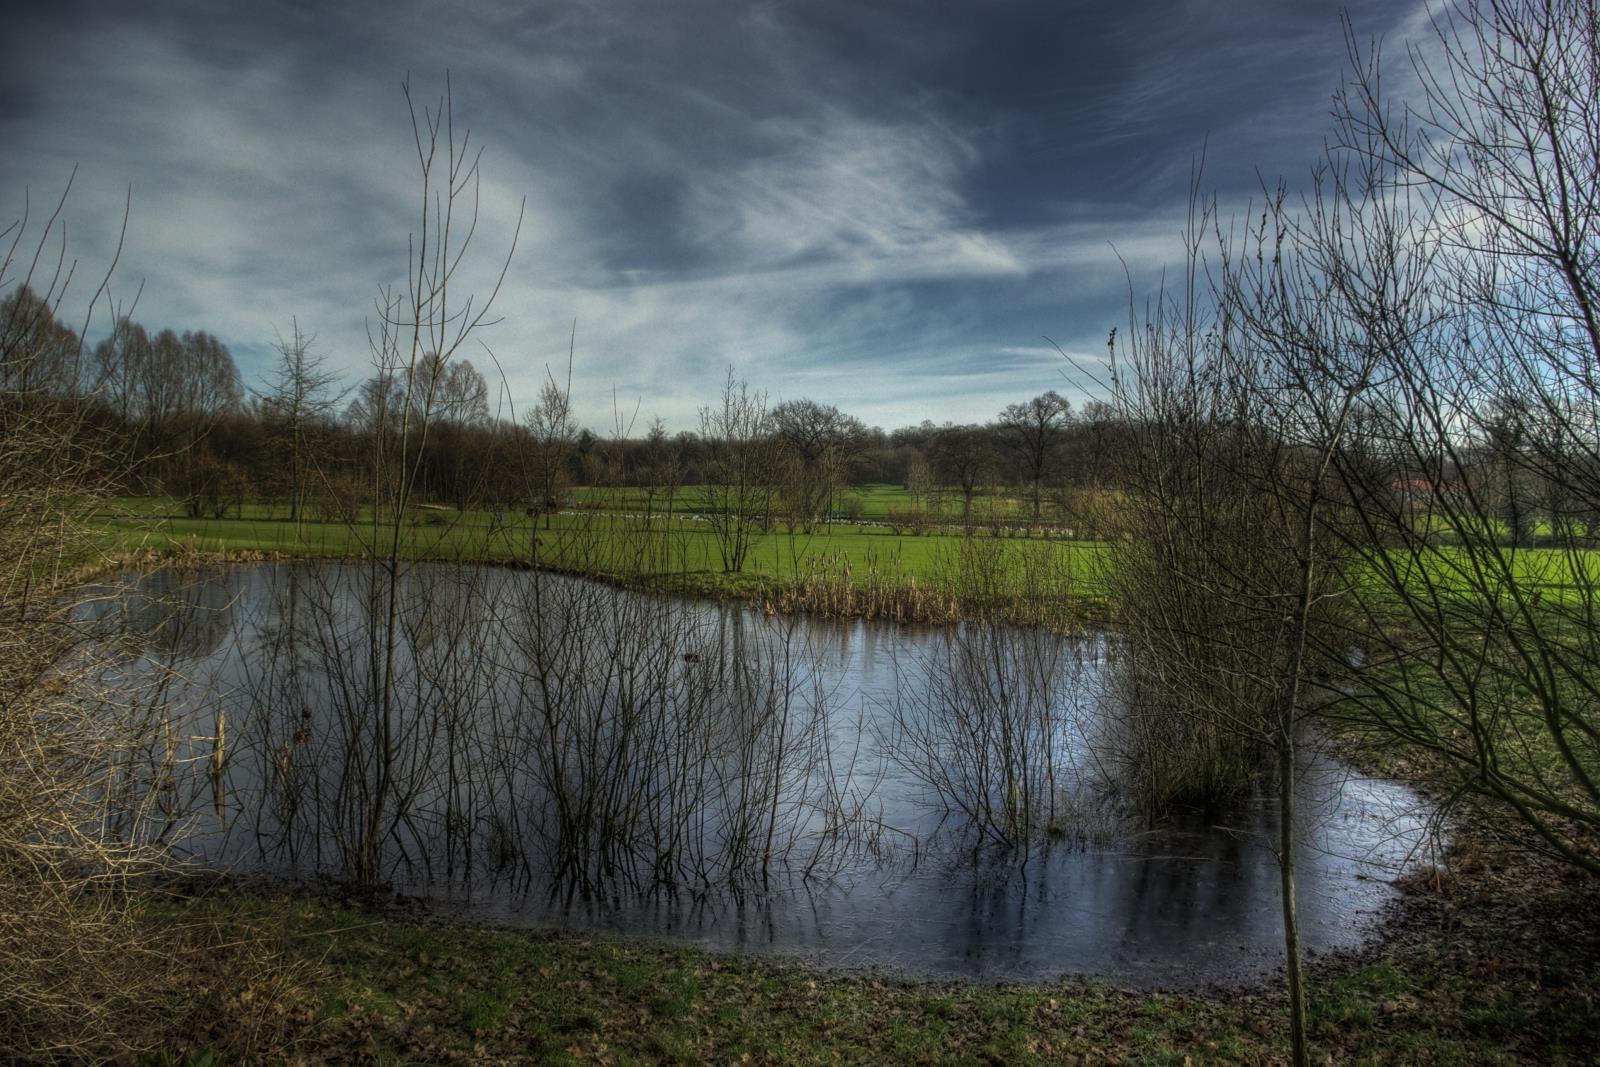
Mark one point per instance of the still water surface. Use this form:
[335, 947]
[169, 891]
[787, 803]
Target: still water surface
[564, 754]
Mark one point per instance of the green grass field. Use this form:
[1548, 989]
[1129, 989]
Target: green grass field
[607, 536]
[675, 553]
[870, 503]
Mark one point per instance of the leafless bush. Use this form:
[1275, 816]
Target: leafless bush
[997, 725]
[1490, 649]
[913, 520]
[547, 729]
[80, 969]
[741, 470]
[337, 499]
[1022, 581]
[1225, 582]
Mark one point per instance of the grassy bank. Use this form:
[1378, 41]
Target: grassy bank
[610, 537]
[840, 569]
[874, 503]
[1492, 961]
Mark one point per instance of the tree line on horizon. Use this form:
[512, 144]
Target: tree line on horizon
[194, 430]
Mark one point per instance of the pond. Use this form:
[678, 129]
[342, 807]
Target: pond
[528, 748]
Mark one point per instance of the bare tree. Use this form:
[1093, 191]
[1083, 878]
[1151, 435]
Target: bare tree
[208, 379]
[424, 325]
[299, 399]
[376, 404]
[44, 350]
[739, 470]
[816, 444]
[1226, 581]
[454, 392]
[1462, 242]
[1347, 421]
[553, 436]
[74, 963]
[117, 368]
[965, 461]
[1034, 431]
[919, 481]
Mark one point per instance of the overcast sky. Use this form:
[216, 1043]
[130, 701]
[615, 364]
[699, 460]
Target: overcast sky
[886, 206]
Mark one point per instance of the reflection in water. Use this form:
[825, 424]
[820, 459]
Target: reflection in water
[170, 613]
[556, 751]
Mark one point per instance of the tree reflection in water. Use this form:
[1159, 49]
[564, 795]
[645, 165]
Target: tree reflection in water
[573, 753]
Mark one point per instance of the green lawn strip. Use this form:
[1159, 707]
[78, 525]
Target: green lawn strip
[678, 554]
[872, 503]
[1563, 573]
[682, 552]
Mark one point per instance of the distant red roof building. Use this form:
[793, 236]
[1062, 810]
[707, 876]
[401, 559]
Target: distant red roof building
[1422, 487]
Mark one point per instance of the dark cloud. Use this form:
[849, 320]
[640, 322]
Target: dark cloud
[885, 205]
